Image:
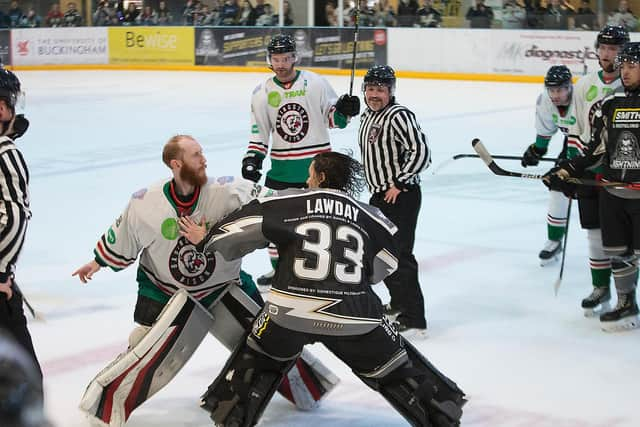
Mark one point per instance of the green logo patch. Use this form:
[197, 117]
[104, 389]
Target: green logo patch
[169, 229]
[111, 236]
[274, 99]
[254, 129]
[592, 93]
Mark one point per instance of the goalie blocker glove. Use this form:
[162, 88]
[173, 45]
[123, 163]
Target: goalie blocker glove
[348, 105]
[251, 166]
[532, 155]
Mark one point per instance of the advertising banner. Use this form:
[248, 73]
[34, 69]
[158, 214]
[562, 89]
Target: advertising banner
[316, 47]
[151, 45]
[40, 46]
[5, 47]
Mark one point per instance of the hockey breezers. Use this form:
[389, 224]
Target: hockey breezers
[490, 162]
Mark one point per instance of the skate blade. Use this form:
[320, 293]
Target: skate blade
[548, 261]
[597, 310]
[626, 324]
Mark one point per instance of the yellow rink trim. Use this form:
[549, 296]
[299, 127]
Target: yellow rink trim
[510, 78]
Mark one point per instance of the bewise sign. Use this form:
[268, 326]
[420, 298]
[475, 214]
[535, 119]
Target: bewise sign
[151, 45]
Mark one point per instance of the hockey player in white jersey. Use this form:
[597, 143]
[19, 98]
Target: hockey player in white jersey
[588, 94]
[183, 294]
[554, 112]
[294, 109]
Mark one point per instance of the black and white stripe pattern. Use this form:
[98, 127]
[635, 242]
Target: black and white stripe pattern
[14, 203]
[392, 146]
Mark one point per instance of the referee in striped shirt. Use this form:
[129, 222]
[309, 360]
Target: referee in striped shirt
[14, 211]
[394, 151]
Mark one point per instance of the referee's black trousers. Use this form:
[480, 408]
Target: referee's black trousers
[403, 285]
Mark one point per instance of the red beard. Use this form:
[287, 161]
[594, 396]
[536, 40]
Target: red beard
[196, 177]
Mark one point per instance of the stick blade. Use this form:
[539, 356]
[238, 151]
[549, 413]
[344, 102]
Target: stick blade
[556, 286]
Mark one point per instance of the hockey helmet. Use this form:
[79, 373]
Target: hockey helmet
[381, 75]
[281, 43]
[9, 88]
[613, 35]
[558, 75]
[630, 52]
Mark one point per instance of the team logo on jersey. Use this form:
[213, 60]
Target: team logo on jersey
[374, 133]
[292, 123]
[274, 99]
[190, 267]
[260, 324]
[627, 152]
[111, 236]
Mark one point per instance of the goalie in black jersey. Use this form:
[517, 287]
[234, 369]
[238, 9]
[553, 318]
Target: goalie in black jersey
[332, 248]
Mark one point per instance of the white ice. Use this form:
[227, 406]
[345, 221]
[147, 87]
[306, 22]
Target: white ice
[523, 356]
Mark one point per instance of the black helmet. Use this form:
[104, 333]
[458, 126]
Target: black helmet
[281, 43]
[9, 88]
[612, 34]
[630, 52]
[381, 75]
[558, 75]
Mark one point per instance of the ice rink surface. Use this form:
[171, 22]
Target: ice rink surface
[524, 357]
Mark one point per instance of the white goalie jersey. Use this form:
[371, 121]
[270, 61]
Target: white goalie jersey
[149, 227]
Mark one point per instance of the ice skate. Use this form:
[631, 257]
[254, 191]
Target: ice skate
[264, 282]
[624, 316]
[550, 253]
[597, 302]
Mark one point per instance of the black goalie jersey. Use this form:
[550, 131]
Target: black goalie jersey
[331, 247]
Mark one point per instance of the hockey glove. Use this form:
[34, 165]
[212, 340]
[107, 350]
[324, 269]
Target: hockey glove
[557, 179]
[251, 166]
[532, 156]
[348, 105]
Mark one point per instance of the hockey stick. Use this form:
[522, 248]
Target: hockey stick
[355, 47]
[488, 160]
[556, 285]
[36, 315]
[475, 156]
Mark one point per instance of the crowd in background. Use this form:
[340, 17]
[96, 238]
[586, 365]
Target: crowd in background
[539, 14]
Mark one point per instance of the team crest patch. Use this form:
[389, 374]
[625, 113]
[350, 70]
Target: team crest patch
[627, 152]
[292, 123]
[374, 133]
[190, 267]
[139, 194]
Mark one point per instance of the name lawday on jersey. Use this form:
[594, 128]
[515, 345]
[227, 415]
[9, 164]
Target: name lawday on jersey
[332, 207]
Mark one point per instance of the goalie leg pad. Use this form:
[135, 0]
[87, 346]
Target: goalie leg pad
[306, 383]
[150, 364]
[244, 387]
[420, 392]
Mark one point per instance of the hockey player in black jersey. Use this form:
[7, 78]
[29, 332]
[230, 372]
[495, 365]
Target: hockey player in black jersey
[615, 153]
[332, 248]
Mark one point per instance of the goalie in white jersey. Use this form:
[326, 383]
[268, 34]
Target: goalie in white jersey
[554, 112]
[295, 110]
[183, 294]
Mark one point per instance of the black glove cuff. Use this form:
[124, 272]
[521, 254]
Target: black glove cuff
[399, 184]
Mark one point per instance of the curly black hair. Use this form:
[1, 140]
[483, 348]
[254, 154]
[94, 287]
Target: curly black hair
[341, 171]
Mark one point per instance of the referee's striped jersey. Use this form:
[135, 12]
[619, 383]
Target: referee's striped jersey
[14, 203]
[393, 147]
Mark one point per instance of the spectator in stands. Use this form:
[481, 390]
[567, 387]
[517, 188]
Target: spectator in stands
[331, 14]
[148, 17]
[407, 10]
[229, 12]
[54, 18]
[210, 15]
[480, 16]
[30, 20]
[14, 14]
[288, 15]
[385, 15]
[557, 16]
[367, 15]
[266, 19]
[513, 15]
[258, 11]
[427, 16]
[188, 12]
[131, 14]
[623, 17]
[246, 15]
[586, 18]
[164, 16]
[101, 15]
[72, 17]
